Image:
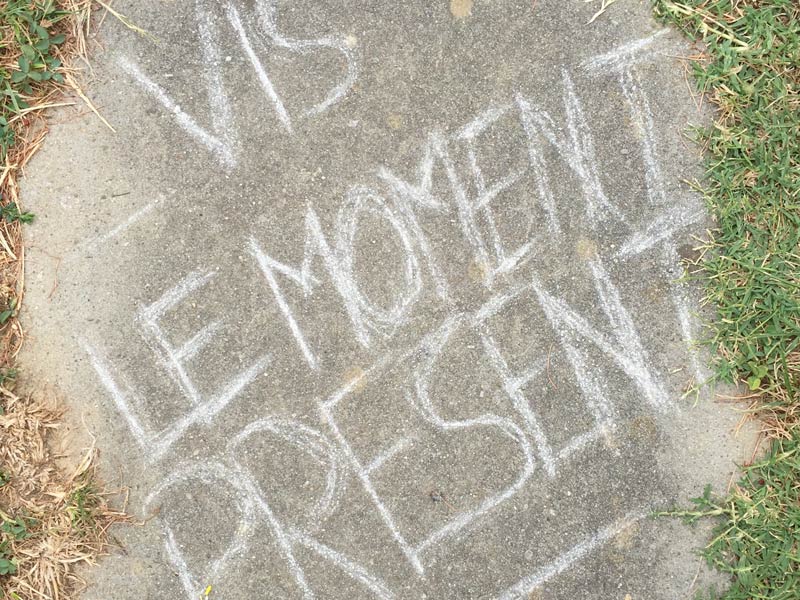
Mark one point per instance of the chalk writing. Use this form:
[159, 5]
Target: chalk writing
[252, 30]
[200, 409]
[587, 333]
[527, 585]
[622, 62]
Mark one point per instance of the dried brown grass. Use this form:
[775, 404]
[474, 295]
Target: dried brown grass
[66, 515]
[65, 511]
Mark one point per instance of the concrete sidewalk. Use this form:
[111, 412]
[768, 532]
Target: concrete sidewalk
[382, 300]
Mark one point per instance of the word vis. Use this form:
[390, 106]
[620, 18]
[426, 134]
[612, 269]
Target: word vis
[252, 29]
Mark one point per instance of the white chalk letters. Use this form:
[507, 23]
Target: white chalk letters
[254, 30]
[460, 261]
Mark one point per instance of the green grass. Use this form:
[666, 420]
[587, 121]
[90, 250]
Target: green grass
[752, 265]
[751, 270]
[756, 540]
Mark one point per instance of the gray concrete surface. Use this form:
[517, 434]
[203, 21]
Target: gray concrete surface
[382, 300]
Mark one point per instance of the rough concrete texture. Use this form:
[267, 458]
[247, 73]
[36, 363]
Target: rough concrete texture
[381, 300]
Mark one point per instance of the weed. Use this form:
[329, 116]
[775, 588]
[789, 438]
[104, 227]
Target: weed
[16, 528]
[29, 26]
[9, 312]
[8, 565]
[7, 377]
[11, 530]
[10, 212]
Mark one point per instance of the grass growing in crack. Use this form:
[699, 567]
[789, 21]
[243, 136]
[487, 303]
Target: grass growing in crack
[756, 540]
[750, 72]
[81, 506]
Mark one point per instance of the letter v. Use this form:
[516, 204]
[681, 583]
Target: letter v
[222, 142]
